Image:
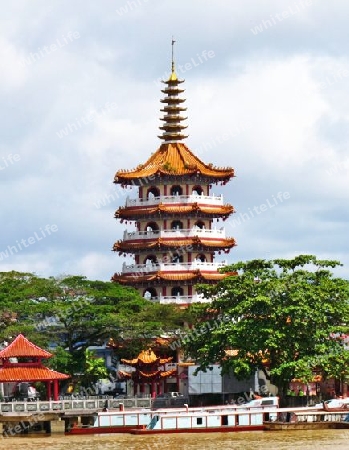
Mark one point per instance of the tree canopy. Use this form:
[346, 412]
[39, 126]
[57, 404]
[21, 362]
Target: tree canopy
[286, 317]
[74, 313]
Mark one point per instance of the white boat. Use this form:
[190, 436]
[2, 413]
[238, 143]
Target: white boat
[227, 418]
[125, 421]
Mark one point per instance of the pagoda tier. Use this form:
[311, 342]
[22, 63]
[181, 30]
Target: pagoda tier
[171, 162]
[163, 241]
[174, 243]
[172, 210]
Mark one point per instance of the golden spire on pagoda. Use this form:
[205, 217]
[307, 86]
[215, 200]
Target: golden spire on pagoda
[172, 126]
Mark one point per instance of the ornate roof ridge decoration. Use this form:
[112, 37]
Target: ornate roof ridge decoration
[173, 159]
[22, 347]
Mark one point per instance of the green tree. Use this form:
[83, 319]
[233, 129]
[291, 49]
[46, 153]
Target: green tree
[285, 317]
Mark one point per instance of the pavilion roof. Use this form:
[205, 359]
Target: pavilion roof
[9, 374]
[22, 347]
[174, 159]
[146, 357]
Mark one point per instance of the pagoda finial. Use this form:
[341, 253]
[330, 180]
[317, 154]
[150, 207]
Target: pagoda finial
[173, 76]
[172, 127]
[173, 63]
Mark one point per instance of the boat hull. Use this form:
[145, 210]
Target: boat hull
[282, 426]
[223, 429]
[103, 430]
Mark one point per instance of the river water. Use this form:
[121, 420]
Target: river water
[251, 440]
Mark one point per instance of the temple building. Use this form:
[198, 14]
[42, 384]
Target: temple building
[21, 362]
[150, 372]
[176, 236]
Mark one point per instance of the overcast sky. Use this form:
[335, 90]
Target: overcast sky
[267, 88]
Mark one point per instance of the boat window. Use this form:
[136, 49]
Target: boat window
[267, 402]
[199, 421]
[224, 420]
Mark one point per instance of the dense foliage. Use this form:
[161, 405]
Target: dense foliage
[73, 313]
[285, 317]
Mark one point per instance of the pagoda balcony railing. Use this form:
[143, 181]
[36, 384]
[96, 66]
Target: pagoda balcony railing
[172, 267]
[175, 233]
[180, 299]
[168, 199]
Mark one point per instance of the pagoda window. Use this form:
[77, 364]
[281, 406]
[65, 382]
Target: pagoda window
[150, 259]
[176, 190]
[153, 192]
[152, 226]
[201, 258]
[197, 190]
[150, 294]
[177, 259]
[177, 291]
[177, 225]
[200, 224]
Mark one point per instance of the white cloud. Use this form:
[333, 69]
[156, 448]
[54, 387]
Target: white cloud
[273, 105]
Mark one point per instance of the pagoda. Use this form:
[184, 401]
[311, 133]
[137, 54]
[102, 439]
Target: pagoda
[175, 240]
[149, 372]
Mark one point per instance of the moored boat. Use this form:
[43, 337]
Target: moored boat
[248, 417]
[308, 420]
[203, 418]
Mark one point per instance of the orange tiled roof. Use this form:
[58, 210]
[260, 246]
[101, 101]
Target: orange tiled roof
[124, 246]
[146, 357]
[174, 159]
[9, 374]
[196, 276]
[132, 212]
[21, 347]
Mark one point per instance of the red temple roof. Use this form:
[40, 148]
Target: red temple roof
[9, 374]
[21, 347]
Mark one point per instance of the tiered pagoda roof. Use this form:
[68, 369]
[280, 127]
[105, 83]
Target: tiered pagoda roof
[172, 209]
[146, 357]
[194, 276]
[147, 367]
[174, 159]
[162, 244]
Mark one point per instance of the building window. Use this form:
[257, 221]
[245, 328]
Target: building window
[152, 226]
[150, 294]
[177, 225]
[177, 291]
[197, 190]
[200, 224]
[176, 190]
[153, 192]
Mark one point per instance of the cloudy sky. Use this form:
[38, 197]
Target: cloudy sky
[267, 88]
